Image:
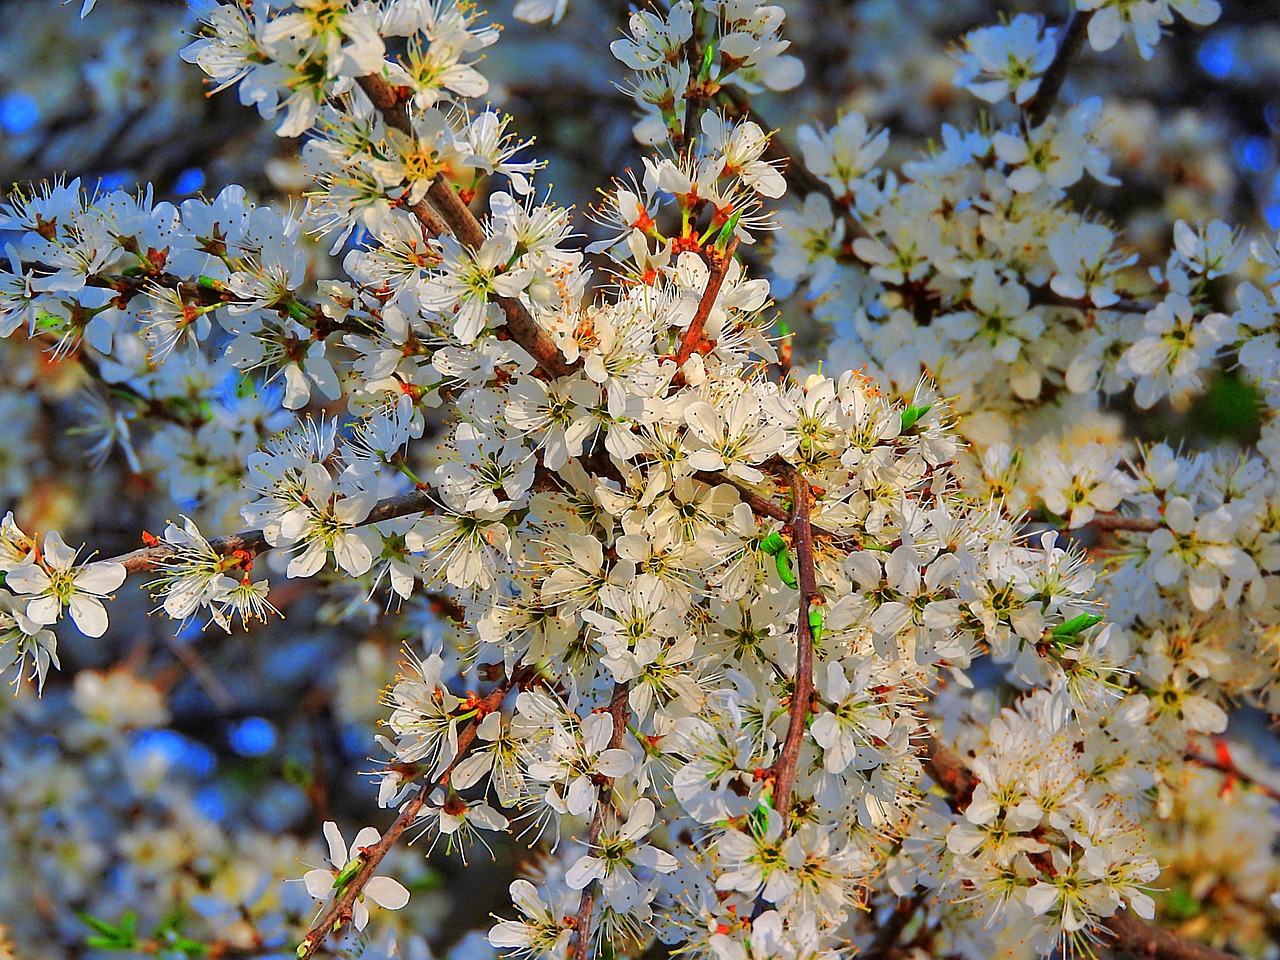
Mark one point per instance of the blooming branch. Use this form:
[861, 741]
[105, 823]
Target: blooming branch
[339, 912]
[784, 770]
[620, 713]
[1128, 934]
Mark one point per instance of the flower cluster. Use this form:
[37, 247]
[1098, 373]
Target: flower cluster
[45, 583]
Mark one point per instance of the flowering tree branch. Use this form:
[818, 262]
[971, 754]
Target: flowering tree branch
[255, 541]
[455, 217]
[620, 712]
[1129, 934]
[542, 463]
[784, 769]
[338, 912]
[402, 505]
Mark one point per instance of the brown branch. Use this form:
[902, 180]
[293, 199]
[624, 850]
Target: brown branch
[620, 710]
[388, 102]
[1107, 522]
[431, 223]
[339, 911]
[1136, 938]
[1225, 765]
[1056, 75]
[761, 506]
[719, 265]
[1044, 296]
[1129, 934]
[784, 770]
[764, 507]
[255, 541]
[948, 771]
[152, 407]
[454, 217]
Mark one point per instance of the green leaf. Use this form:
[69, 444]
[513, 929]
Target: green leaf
[782, 560]
[1181, 904]
[1064, 631]
[113, 936]
[298, 311]
[773, 543]
[346, 873]
[726, 232]
[294, 772]
[815, 622]
[431, 880]
[911, 416]
[108, 929]
[758, 819]
[708, 60]
[1053, 519]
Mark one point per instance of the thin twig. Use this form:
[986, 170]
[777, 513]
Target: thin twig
[620, 710]
[254, 542]
[1104, 522]
[1113, 521]
[761, 506]
[200, 671]
[719, 264]
[339, 911]
[1044, 296]
[1051, 83]
[1225, 765]
[784, 770]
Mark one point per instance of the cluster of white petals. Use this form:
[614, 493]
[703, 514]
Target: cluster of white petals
[730, 612]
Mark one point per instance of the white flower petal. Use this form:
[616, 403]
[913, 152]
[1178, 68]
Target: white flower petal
[387, 893]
